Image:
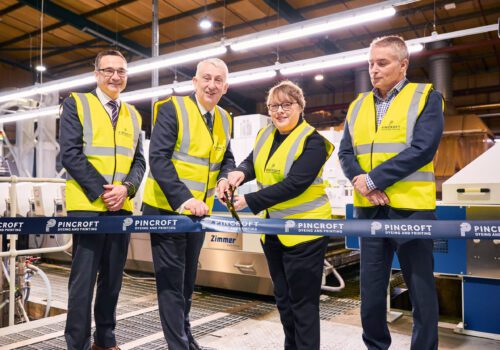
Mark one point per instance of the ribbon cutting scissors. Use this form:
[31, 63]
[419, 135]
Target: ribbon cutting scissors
[230, 206]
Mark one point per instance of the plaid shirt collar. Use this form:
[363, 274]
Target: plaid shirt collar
[394, 91]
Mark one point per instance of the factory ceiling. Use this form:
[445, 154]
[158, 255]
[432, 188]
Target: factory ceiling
[75, 30]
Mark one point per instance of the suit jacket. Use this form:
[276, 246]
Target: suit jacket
[426, 137]
[161, 147]
[76, 163]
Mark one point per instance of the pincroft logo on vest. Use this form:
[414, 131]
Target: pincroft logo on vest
[126, 223]
[391, 126]
[272, 169]
[125, 133]
[464, 228]
[50, 223]
[374, 227]
[289, 224]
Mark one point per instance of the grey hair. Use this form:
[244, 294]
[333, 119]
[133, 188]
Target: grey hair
[217, 62]
[394, 41]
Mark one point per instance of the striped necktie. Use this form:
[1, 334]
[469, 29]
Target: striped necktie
[114, 111]
[208, 119]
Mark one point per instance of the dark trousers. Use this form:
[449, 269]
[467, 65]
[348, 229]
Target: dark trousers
[296, 273]
[417, 264]
[175, 260]
[105, 254]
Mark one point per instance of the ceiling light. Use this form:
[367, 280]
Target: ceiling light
[319, 77]
[330, 61]
[41, 68]
[25, 115]
[315, 26]
[144, 94]
[184, 56]
[205, 23]
[317, 63]
[184, 88]
[250, 75]
[195, 54]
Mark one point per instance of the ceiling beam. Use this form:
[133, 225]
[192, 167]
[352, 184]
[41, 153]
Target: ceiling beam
[54, 26]
[185, 14]
[291, 15]
[160, 22]
[285, 11]
[85, 25]
[10, 8]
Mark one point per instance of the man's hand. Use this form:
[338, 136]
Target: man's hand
[377, 197]
[223, 188]
[359, 183]
[235, 178]
[196, 207]
[240, 202]
[114, 196]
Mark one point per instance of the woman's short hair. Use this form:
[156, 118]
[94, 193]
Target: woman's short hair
[289, 89]
[394, 41]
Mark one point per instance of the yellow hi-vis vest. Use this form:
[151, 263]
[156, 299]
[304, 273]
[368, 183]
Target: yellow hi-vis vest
[197, 155]
[110, 150]
[313, 203]
[373, 146]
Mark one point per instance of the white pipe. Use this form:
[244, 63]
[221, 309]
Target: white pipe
[14, 252]
[15, 179]
[47, 284]
[339, 278]
[12, 259]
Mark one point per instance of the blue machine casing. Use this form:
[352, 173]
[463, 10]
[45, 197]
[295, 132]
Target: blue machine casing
[481, 304]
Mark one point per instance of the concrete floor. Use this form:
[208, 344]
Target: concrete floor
[220, 320]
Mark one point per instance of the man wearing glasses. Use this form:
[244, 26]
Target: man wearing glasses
[101, 150]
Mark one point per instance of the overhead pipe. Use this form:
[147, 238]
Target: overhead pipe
[440, 74]
[362, 82]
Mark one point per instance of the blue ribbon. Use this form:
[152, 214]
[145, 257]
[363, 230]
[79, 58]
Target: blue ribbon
[431, 229]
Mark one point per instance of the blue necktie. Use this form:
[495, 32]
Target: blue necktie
[208, 119]
[114, 111]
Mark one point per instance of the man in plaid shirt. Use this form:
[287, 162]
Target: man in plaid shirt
[390, 138]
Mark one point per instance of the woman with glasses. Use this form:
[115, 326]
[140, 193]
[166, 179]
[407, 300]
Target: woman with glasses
[287, 161]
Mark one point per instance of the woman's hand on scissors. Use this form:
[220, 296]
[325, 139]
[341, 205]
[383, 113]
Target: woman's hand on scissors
[240, 202]
[235, 178]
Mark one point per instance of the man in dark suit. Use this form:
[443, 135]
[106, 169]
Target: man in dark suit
[101, 151]
[189, 154]
[390, 138]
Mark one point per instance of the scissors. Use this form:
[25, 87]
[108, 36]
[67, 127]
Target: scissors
[230, 206]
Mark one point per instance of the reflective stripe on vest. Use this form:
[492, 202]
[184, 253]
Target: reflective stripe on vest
[416, 191]
[197, 154]
[313, 202]
[111, 151]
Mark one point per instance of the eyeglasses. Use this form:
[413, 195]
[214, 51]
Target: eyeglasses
[286, 106]
[109, 72]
